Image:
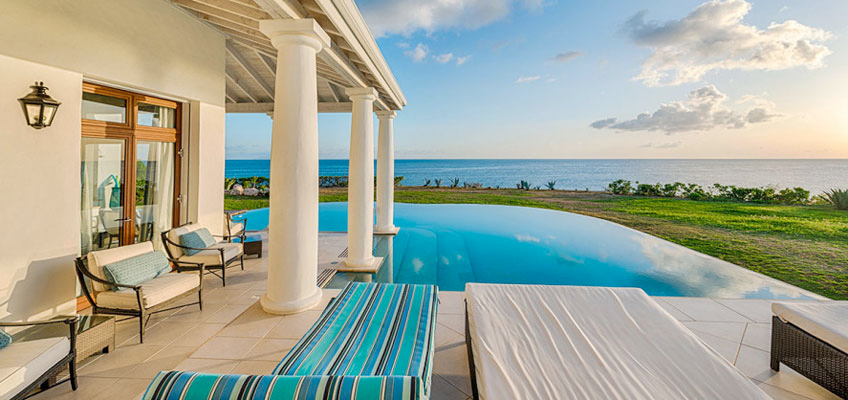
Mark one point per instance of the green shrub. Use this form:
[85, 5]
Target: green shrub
[793, 196]
[838, 198]
[523, 185]
[620, 186]
[644, 189]
[551, 185]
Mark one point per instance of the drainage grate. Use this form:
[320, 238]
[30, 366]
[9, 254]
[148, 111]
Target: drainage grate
[325, 276]
[344, 253]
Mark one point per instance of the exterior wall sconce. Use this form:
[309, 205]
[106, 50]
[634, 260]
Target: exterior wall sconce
[39, 107]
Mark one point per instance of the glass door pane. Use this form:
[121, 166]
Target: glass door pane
[154, 191]
[102, 218]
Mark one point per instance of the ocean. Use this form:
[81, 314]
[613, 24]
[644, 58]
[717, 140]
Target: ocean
[813, 175]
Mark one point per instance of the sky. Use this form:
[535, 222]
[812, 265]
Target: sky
[602, 79]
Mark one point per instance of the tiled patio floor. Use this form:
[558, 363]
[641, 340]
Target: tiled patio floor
[233, 335]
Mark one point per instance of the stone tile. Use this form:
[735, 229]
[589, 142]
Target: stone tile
[254, 322]
[129, 388]
[326, 296]
[675, 313]
[726, 348]
[756, 310]
[271, 349]
[294, 326]
[207, 365]
[253, 367]
[455, 322]
[89, 387]
[228, 313]
[164, 360]
[441, 389]
[702, 309]
[119, 362]
[249, 297]
[731, 331]
[758, 336]
[777, 393]
[194, 314]
[451, 302]
[226, 348]
[221, 295]
[198, 335]
[755, 364]
[451, 363]
[166, 332]
[445, 335]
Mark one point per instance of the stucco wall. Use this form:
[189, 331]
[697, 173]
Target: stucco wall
[144, 44]
[206, 166]
[40, 196]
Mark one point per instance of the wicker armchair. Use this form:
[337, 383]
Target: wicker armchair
[217, 257]
[163, 293]
[27, 365]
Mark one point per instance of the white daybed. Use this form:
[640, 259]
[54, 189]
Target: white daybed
[568, 342]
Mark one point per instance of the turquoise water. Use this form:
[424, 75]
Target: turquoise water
[452, 244]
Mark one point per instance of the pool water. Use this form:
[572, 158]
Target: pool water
[452, 244]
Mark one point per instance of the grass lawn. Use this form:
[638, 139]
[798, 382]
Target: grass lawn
[803, 245]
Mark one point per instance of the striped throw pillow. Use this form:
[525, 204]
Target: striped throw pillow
[199, 239]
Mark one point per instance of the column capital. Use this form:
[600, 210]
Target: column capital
[364, 93]
[387, 114]
[287, 30]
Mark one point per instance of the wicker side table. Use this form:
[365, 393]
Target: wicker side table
[253, 245]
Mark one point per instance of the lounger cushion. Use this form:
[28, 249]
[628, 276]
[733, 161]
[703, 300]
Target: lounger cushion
[155, 291]
[370, 329]
[212, 256]
[22, 363]
[174, 236]
[236, 228]
[99, 259]
[827, 321]
[567, 342]
[170, 385]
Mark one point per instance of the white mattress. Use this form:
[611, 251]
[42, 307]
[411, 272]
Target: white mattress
[568, 342]
[827, 320]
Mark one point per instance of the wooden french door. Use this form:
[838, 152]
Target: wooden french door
[130, 167]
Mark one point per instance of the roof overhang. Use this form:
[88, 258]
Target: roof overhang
[352, 60]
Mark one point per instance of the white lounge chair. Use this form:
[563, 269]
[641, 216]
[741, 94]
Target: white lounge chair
[812, 339]
[568, 342]
[219, 256]
[27, 365]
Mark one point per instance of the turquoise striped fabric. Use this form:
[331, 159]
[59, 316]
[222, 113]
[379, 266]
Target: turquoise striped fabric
[370, 329]
[175, 385]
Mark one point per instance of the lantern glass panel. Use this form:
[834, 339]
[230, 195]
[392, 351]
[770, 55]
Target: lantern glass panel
[33, 113]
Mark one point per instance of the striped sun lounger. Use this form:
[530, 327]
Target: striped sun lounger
[373, 341]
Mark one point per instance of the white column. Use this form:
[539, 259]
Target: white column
[293, 220]
[386, 175]
[360, 197]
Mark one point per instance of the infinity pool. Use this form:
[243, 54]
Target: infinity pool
[452, 244]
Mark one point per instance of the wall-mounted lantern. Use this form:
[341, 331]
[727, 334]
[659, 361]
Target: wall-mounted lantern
[39, 107]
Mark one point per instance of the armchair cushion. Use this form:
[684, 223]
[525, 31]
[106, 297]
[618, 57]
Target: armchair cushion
[138, 269]
[174, 236]
[5, 339]
[101, 258]
[22, 363]
[200, 239]
[154, 292]
[212, 257]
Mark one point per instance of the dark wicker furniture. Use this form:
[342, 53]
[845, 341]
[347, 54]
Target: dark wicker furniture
[69, 361]
[809, 356]
[141, 312]
[191, 266]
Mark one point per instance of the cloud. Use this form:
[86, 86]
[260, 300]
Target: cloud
[419, 53]
[713, 37]
[462, 60]
[703, 110]
[404, 17]
[443, 58]
[528, 79]
[567, 56]
[669, 145]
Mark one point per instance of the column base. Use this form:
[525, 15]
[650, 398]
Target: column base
[371, 266]
[386, 230]
[290, 307]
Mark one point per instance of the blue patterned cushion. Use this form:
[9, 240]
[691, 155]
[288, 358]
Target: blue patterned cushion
[138, 269]
[199, 239]
[5, 339]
